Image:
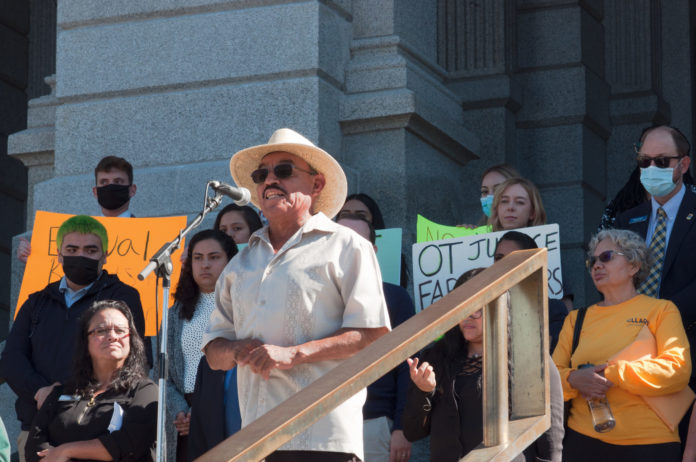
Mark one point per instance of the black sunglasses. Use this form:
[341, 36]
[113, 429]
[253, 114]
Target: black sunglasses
[660, 162]
[281, 171]
[603, 257]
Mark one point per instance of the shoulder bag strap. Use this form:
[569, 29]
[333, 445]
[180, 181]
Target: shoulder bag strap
[578, 327]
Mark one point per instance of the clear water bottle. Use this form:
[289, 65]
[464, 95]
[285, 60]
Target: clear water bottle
[602, 417]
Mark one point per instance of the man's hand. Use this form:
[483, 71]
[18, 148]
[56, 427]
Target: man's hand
[23, 250]
[42, 393]
[423, 376]
[264, 358]
[590, 381]
[399, 447]
[223, 354]
[183, 423]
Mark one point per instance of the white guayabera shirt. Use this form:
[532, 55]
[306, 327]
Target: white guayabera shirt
[326, 277]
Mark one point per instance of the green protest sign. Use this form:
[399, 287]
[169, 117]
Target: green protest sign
[427, 231]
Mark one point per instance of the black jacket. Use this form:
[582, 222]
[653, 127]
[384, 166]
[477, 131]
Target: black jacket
[65, 419]
[39, 348]
[437, 415]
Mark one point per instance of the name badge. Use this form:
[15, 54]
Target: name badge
[637, 219]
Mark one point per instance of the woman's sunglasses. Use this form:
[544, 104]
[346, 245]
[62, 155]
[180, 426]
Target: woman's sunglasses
[281, 171]
[603, 257]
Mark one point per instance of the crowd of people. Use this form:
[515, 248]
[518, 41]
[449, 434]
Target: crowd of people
[252, 325]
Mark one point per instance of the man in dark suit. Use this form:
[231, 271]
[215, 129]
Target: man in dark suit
[663, 156]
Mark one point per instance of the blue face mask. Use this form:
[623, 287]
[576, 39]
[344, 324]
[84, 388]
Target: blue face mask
[657, 181]
[486, 204]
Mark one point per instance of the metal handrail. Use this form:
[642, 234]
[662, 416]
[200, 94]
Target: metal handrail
[523, 276]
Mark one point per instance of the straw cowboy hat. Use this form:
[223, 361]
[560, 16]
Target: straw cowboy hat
[330, 199]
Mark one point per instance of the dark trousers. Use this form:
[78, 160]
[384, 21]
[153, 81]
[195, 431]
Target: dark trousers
[311, 456]
[182, 441]
[581, 448]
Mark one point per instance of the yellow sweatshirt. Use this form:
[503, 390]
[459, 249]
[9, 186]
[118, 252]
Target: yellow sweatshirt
[606, 331]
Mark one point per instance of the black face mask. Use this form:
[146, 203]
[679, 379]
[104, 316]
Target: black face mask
[113, 196]
[81, 270]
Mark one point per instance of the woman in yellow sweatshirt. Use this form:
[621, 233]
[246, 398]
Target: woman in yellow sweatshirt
[619, 262]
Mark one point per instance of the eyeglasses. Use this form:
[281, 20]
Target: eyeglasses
[102, 332]
[476, 314]
[603, 257]
[281, 171]
[660, 161]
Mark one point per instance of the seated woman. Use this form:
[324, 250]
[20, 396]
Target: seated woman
[208, 253]
[108, 409]
[619, 261]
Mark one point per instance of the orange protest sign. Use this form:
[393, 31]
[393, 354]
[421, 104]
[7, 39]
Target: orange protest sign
[132, 242]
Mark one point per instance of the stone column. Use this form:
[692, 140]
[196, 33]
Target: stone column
[35, 146]
[563, 123]
[476, 45]
[403, 128]
[177, 90]
[634, 71]
[14, 27]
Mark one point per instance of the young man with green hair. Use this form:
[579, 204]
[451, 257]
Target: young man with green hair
[39, 349]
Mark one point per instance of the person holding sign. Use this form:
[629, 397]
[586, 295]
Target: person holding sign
[516, 204]
[490, 179]
[598, 370]
[108, 408]
[303, 295]
[113, 189]
[208, 253]
[40, 345]
[364, 206]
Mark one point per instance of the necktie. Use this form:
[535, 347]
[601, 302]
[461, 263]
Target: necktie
[658, 247]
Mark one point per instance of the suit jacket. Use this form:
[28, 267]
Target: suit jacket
[679, 268]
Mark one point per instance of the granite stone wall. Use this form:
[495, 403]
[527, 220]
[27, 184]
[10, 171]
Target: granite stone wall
[414, 98]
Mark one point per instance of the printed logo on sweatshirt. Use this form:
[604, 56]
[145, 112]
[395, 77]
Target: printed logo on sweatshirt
[637, 321]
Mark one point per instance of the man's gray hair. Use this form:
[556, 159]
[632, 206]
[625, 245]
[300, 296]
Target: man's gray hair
[631, 245]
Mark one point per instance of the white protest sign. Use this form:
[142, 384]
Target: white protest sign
[438, 264]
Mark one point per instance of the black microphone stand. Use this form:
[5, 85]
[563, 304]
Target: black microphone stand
[161, 263]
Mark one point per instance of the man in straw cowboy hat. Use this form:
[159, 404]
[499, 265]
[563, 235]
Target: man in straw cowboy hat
[304, 294]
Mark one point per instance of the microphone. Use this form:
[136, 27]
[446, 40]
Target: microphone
[240, 196]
